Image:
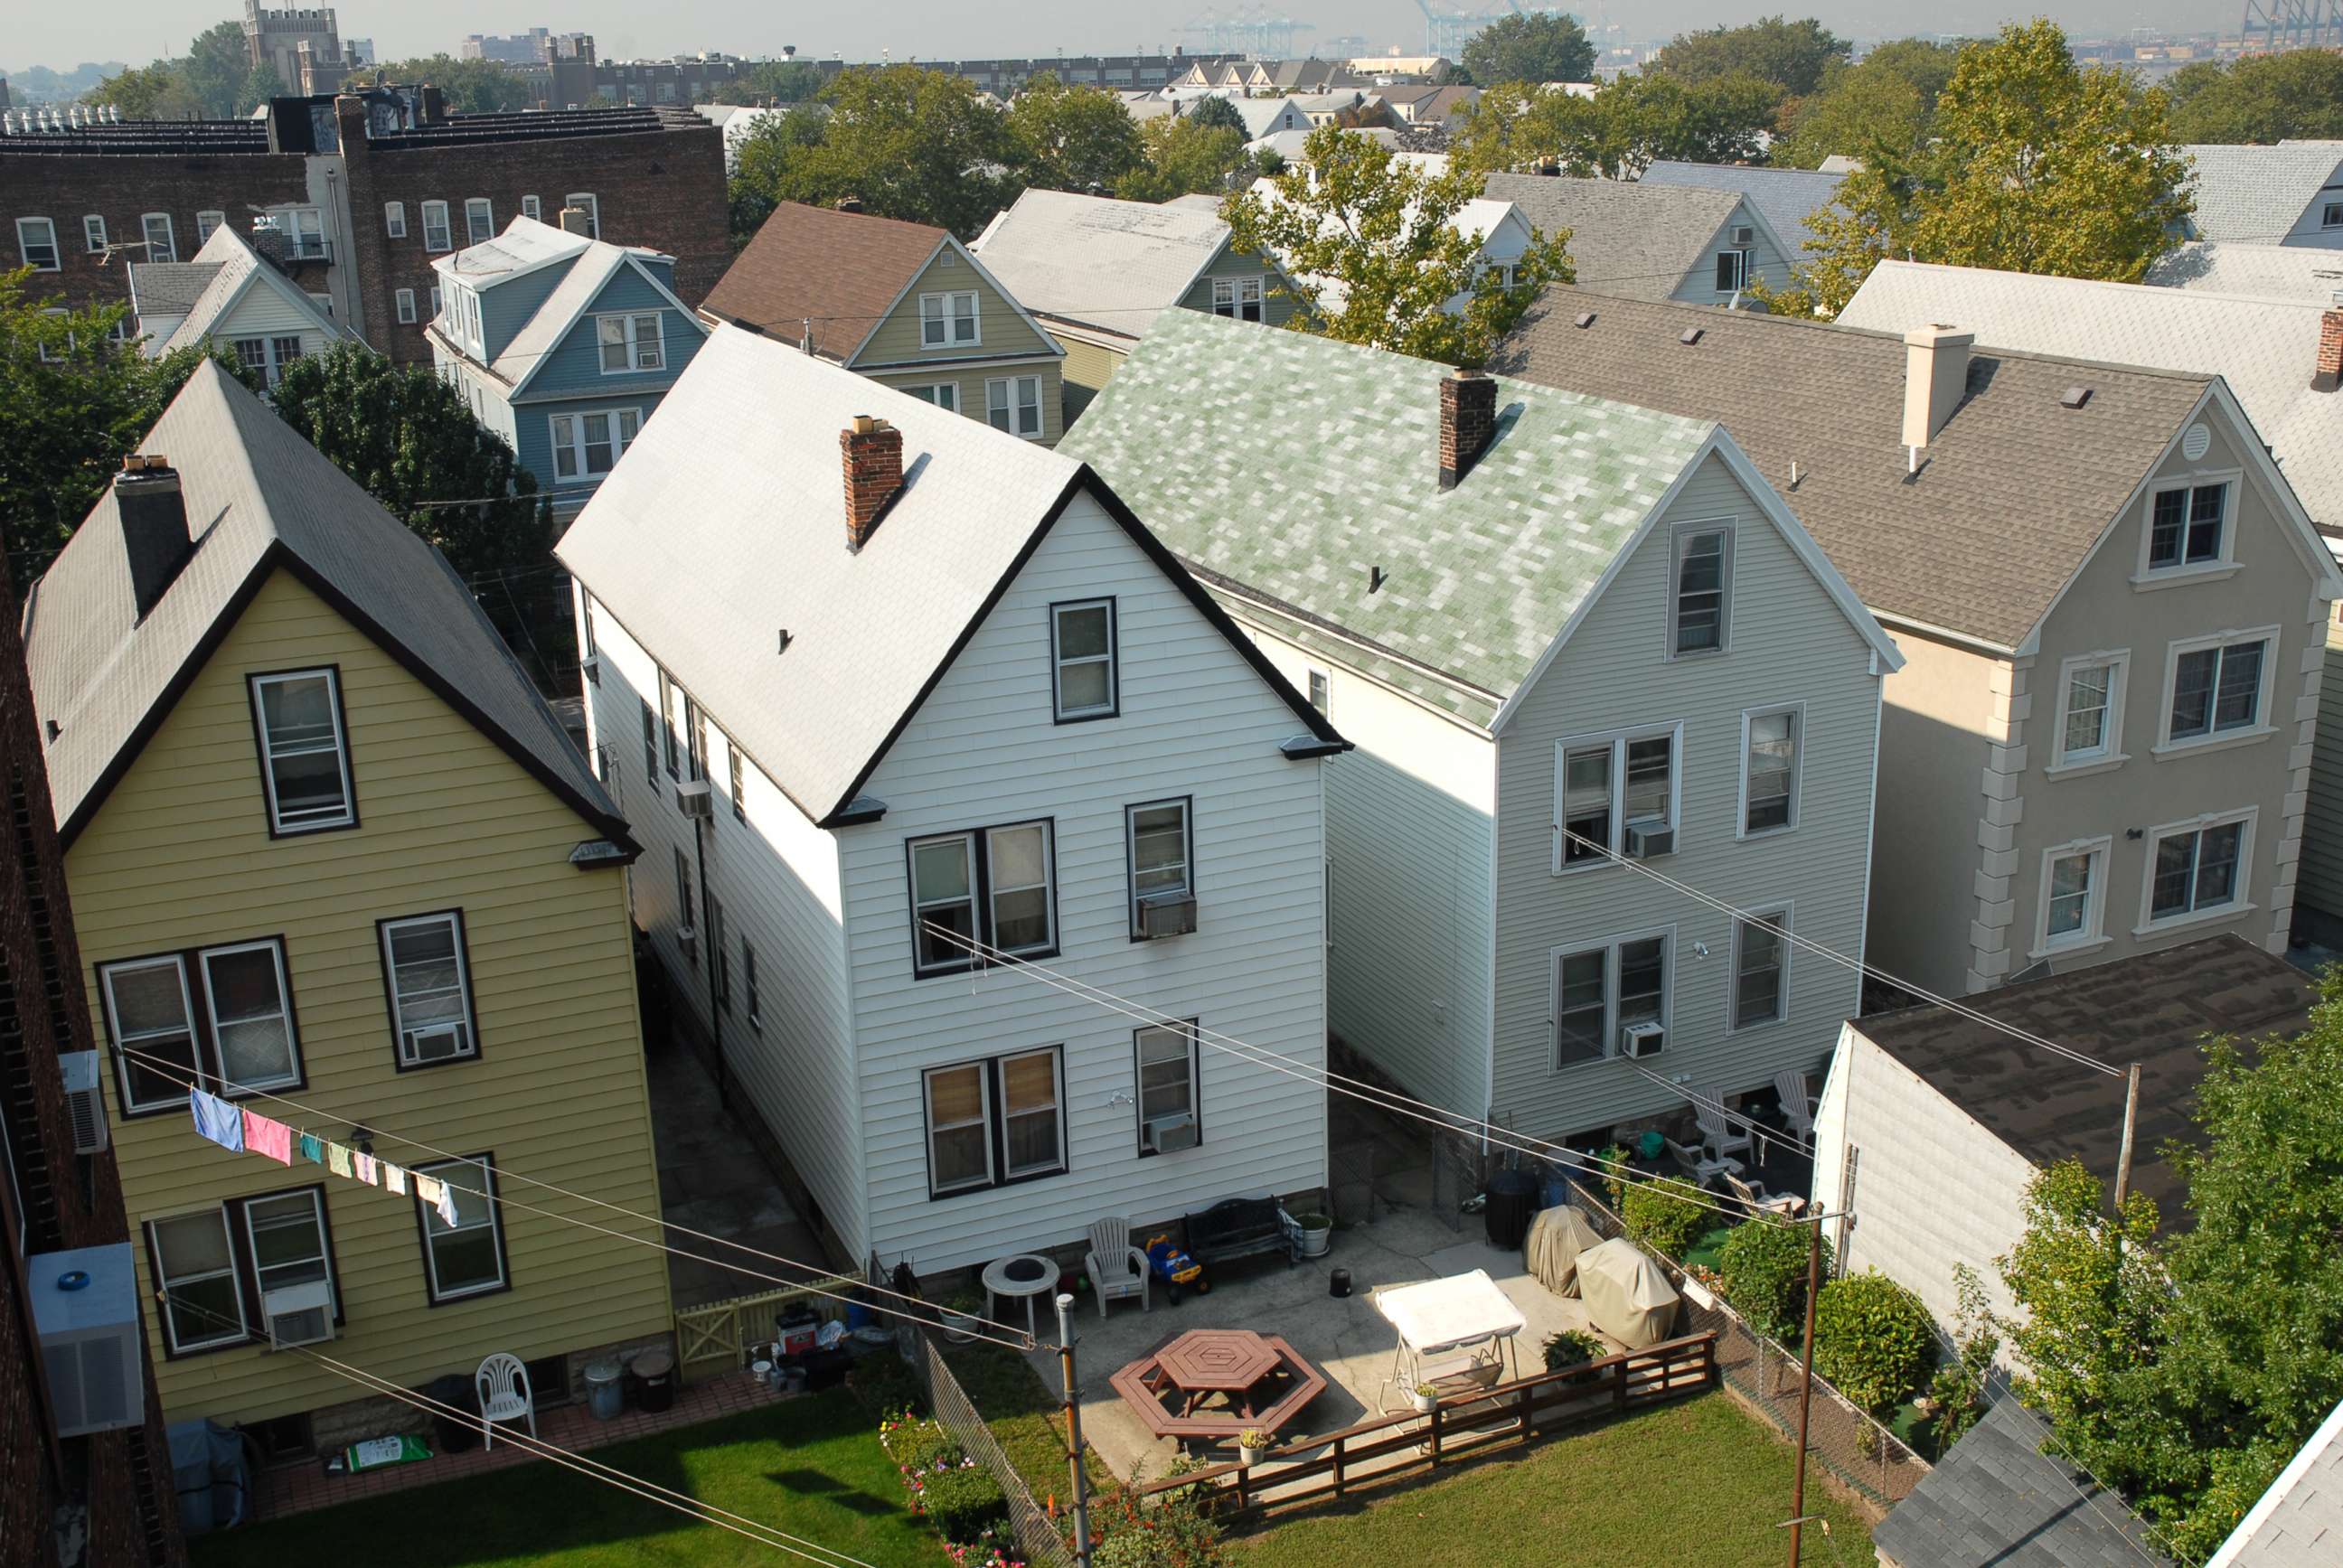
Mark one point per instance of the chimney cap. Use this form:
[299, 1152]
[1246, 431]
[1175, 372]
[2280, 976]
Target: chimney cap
[1466, 373]
[146, 463]
[1938, 334]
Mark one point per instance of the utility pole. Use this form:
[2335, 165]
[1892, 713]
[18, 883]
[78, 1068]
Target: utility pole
[2131, 1119]
[1074, 1433]
[1806, 1385]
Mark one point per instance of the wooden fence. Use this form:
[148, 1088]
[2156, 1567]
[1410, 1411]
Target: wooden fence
[716, 1337]
[1461, 1425]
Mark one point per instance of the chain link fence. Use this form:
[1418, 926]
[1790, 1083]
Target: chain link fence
[1845, 1440]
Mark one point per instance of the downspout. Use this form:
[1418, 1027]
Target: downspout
[707, 942]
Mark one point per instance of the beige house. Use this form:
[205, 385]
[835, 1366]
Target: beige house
[2111, 604]
[903, 303]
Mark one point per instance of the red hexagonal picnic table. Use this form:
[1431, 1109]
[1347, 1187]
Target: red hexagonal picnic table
[1211, 1384]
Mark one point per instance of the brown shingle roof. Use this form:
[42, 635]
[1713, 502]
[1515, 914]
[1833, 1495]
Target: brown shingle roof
[842, 270]
[2011, 496]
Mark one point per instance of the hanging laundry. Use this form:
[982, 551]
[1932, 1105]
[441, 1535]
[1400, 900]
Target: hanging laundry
[429, 1189]
[448, 1206]
[337, 1160]
[266, 1135]
[394, 1178]
[367, 1164]
[313, 1148]
[217, 1119]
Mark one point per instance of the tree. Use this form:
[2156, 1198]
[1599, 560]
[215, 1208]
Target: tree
[1791, 55]
[1889, 100]
[1214, 110]
[773, 164]
[777, 81]
[1530, 48]
[74, 401]
[1072, 137]
[216, 69]
[260, 85]
[1375, 255]
[1182, 155]
[2033, 164]
[1625, 126]
[156, 92]
[470, 86]
[2260, 98]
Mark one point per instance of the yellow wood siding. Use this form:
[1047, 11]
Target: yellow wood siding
[1089, 367]
[179, 858]
[1003, 333]
[969, 380]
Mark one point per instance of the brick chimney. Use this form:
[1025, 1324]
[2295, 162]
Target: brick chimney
[2329, 374]
[154, 526]
[873, 454]
[1468, 417]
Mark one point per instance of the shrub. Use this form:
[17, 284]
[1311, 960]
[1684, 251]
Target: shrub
[1762, 1270]
[887, 1383]
[1666, 1216]
[1573, 1347]
[962, 1504]
[1960, 1384]
[1873, 1340]
[1175, 1529]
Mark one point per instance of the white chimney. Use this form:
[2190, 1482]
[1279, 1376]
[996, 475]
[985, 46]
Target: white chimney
[1935, 374]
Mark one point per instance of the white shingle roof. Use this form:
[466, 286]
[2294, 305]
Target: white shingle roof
[2265, 349]
[2266, 271]
[525, 246]
[2298, 1522]
[2257, 195]
[1112, 264]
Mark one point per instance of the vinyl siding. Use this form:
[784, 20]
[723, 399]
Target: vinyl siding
[1766, 263]
[1195, 719]
[574, 368]
[777, 876]
[179, 858]
[896, 342]
[1276, 309]
[970, 378]
[1088, 368]
[1788, 643]
[506, 307]
[2321, 877]
[532, 426]
[1933, 750]
[265, 313]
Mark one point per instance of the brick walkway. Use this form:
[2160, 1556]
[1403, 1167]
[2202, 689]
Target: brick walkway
[299, 1488]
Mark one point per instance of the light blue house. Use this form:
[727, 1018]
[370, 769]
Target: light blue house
[562, 344]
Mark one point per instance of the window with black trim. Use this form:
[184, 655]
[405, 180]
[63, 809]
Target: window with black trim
[993, 888]
[1083, 659]
[748, 984]
[222, 1015]
[429, 982]
[995, 1121]
[723, 954]
[214, 1268]
[650, 746]
[1700, 591]
[1162, 853]
[1168, 1069]
[467, 1258]
[196, 1273]
[304, 763]
[683, 909]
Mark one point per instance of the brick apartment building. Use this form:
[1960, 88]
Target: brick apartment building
[363, 191]
[107, 1491]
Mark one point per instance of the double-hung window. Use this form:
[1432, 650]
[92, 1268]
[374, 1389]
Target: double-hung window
[1607, 784]
[748, 984]
[404, 301]
[304, 759]
[304, 226]
[1013, 403]
[2074, 896]
[2187, 526]
[196, 1273]
[530, 207]
[249, 1007]
[37, 243]
[436, 235]
[267, 357]
[1239, 297]
[1760, 969]
[948, 320]
[1162, 855]
[984, 894]
[151, 1018]
[2220, 686]
[431, 986]
[467, 1258]
[156, 230]
[2090, 710]
[1770, 739]
[588, 446]
[738, 771]
[995, 1121]
[650, 745]
[2198, 869]
[93, 234]
[685, 910]
[1700, 590]
[394, 220]
[222, 1014]
[630, 342]
[479, 220]
[1599, 993]
[1084, 679]
[719, 953]
[1168, 1070]
[287, 1234]
[944, 395]
[1321, 690]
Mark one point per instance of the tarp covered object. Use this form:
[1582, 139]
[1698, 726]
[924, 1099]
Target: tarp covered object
[1557, 1236]
[1625, 1294]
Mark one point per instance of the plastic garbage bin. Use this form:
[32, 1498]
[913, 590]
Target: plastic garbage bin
[456, 1433]
[1512, 1196]
[655, 1380]
[604, 1395]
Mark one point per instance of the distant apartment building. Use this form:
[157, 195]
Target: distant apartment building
[519, 49]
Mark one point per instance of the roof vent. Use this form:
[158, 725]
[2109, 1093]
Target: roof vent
[2074, 396]
[1692, 335]
[1376, 577]
[1584, 318]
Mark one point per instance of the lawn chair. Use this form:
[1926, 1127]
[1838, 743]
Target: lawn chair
[502, 1383]
[1696, 1165]
[1754, 1197]
[1117, 1269]
[1717, 1133]
[1796, 1113]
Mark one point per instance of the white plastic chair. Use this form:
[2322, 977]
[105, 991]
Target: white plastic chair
[1796, 1113]
[1758, 1201]
[1118, 1270]
[1717, 1135]
[502, 1383]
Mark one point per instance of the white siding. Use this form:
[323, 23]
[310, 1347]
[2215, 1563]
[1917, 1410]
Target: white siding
[265, 313]
[1195, 720]
[1789, 643]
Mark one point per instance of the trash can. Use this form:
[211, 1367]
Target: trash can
[655, 1380]
[191, 1474]
[457, 1434]
[604, 1395]
[1512, 1196]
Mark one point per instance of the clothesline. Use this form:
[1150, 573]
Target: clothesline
[244, 1131]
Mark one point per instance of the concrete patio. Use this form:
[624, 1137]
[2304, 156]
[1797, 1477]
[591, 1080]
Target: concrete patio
[712, 1180]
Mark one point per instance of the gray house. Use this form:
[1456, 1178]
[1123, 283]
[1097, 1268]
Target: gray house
[1786, 198]
[1652, 241]
[1573, 641]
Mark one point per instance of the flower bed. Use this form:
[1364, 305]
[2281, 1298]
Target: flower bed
[956, 1495]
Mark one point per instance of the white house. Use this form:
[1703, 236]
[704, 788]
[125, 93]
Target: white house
[913, 751]
[2289, 194]
[1531, 611]
[232, 296]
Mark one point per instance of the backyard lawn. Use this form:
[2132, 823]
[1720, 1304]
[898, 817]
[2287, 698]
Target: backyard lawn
[811, 1467]
[1699, 1482]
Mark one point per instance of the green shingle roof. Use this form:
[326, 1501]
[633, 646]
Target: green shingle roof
[1288, 467]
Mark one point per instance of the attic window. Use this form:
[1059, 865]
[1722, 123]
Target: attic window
[1584, 318]
[1692, 335]
[2074, 396]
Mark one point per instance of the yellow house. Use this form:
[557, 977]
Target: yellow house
[334, 858]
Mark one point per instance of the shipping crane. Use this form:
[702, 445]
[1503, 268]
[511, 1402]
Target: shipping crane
[2293, 25]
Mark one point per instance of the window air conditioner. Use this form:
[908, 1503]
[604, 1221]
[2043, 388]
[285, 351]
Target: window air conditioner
[592, 670]
[440, 1042]
[1744, 234]
[300, 1314]
[686, 937]
[1637, 1040]
[695, 800]
[86, 1313]
[1167, 915]
[84, 1103]
[1652, 835]
[1169, 1134]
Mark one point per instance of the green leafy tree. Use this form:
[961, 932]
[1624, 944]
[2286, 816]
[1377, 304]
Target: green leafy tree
[1762, 1269]
[1873, 1341]
[1791, 55]
[2260, 98]
[1374, 257]
[261, 85]
[1545, 47]
[1183, 157]
[470, 86]
[1628, 125]
[1959, 1388]
[1888, 101]
[156, 92]
[74, 401]
[1214, 110]
[775, 162]
[216, 69]
[777, 81]
[1073, 138]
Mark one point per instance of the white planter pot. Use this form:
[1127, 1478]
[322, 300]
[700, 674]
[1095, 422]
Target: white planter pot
[1245, 1456]
[1314, 1243]
[958, 1327]
[1425, 1403]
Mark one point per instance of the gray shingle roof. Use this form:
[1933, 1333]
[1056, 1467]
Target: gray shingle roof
[1997, 1499]
[1324, 466]
[1635, 241]
[261, 496]
[2257, 194]
[1946, 550]
[1093, 259]
[1784, 199]
[2265, 349]
[2265, 271]
[169, 288]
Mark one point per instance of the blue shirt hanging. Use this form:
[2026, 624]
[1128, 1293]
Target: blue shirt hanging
[217, 1119]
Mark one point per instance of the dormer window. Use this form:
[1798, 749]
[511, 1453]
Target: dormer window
[630, 343]
[948, 320]
[2187, 526]
[1082, 658]
[305, 764]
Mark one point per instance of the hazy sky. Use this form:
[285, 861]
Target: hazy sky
[62, 36]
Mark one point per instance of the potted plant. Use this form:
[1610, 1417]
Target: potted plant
[958, 1314]
[1573, 1348]
[1315, 1231]
[1427, 1398]
[1250, 1444]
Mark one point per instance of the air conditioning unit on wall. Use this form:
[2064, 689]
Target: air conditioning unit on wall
[1640, 1039]
[86, 1313]
[1744, 234]
[1651, 837]
[1167, 915]
[695, 800]
[1169, 1134]
[300, 1314]
[85, 1101]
